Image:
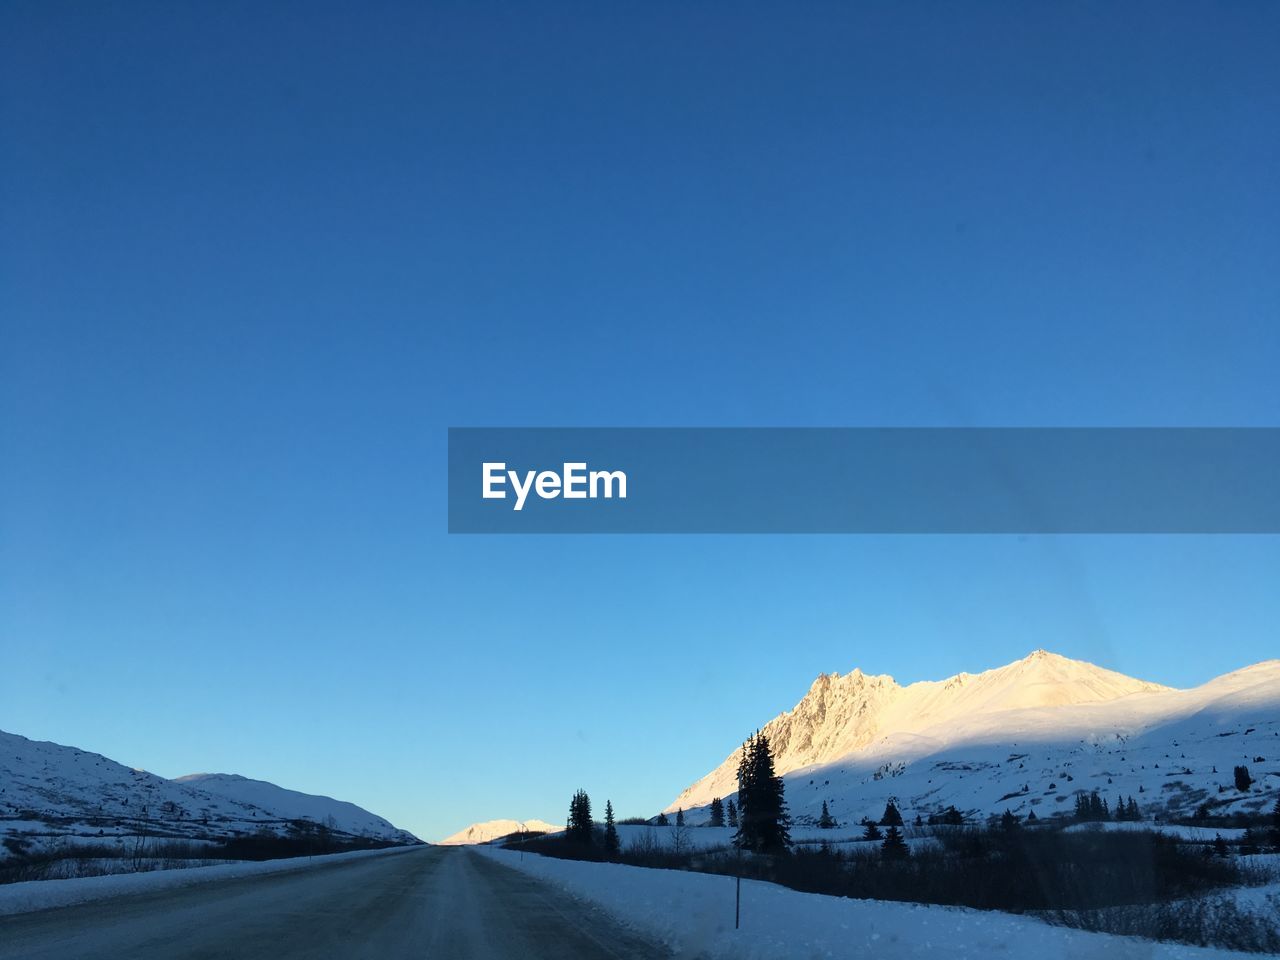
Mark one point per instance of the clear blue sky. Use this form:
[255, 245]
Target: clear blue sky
[254, 261]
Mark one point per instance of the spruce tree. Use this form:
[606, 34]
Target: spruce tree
[662, 820]
[733, 814]
[717, 813]
[1009, 820]
[894, 847]
[871, 831]
[680, 817]
[1243, 779]
[579, 828]
[763, 824]
[612, 846]
[891, 817]
[826, 821]
[952, 817]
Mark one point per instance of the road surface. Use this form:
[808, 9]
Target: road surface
[438, 902]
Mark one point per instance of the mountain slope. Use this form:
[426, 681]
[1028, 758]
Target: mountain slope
[50, 793]
[493, 829]
[1025, 736]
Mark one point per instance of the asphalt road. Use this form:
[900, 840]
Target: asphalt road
[438, 902]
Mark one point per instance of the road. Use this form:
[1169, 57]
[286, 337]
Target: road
[438, 902]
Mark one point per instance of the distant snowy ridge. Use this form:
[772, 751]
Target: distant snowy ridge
[1024, 736]
[52, 794]
[493, 829]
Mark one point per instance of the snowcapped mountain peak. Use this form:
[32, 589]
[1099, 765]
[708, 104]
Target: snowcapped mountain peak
[857, 713]
[53, 792]
[494, 829]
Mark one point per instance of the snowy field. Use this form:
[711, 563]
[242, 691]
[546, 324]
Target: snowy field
[44, 894]
[692, 913]
[721, 838]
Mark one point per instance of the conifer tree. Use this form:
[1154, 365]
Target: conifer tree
[579, 828]
[612, 846]
[894, 847]
[717, 813]
[1031, 817]
[1009, 820]
[662, 820]
[763, 823]
[1243, 779]
[871, 831]
[826, 821]
[680, 817]
[952, 817]
[733, 814]
[891, 817]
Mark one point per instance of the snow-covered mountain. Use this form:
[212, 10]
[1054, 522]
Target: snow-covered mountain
[493, 829]
[1025, 736]
[51, 793]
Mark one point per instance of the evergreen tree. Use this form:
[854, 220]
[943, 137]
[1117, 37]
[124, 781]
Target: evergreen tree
[872, 832]
[1275, 826]
[579, 828]
[662, 820]
[952, 817]
[1031, 817]
[891, 816]
[763, 824]
[1243, 780]
[1009, 820]
[826, 821]
[733, 814]
[1219, 846]
[612, 846]
[894, 847]
[717, 813]
[680, 817]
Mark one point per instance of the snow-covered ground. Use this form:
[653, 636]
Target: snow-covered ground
[53, 796]
[1027, 736]
[721, 838]
[493, 829]
[692, 913]
[44, 894]
[1190, 834]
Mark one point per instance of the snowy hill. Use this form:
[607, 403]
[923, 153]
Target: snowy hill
[51, 794]
[1026, 736]
[493, 829]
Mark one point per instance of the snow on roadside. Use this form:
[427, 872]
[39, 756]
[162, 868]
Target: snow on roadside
[692, 913]
[43, 894]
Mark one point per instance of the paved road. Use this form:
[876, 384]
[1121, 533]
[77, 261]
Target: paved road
[445, 903]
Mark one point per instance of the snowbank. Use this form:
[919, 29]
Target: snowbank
[693, 914]
[44, 894]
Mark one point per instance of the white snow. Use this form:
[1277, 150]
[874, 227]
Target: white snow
[493, 829]
[53, 795]
[44, 894]
[692, 913]
[1026, 736]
